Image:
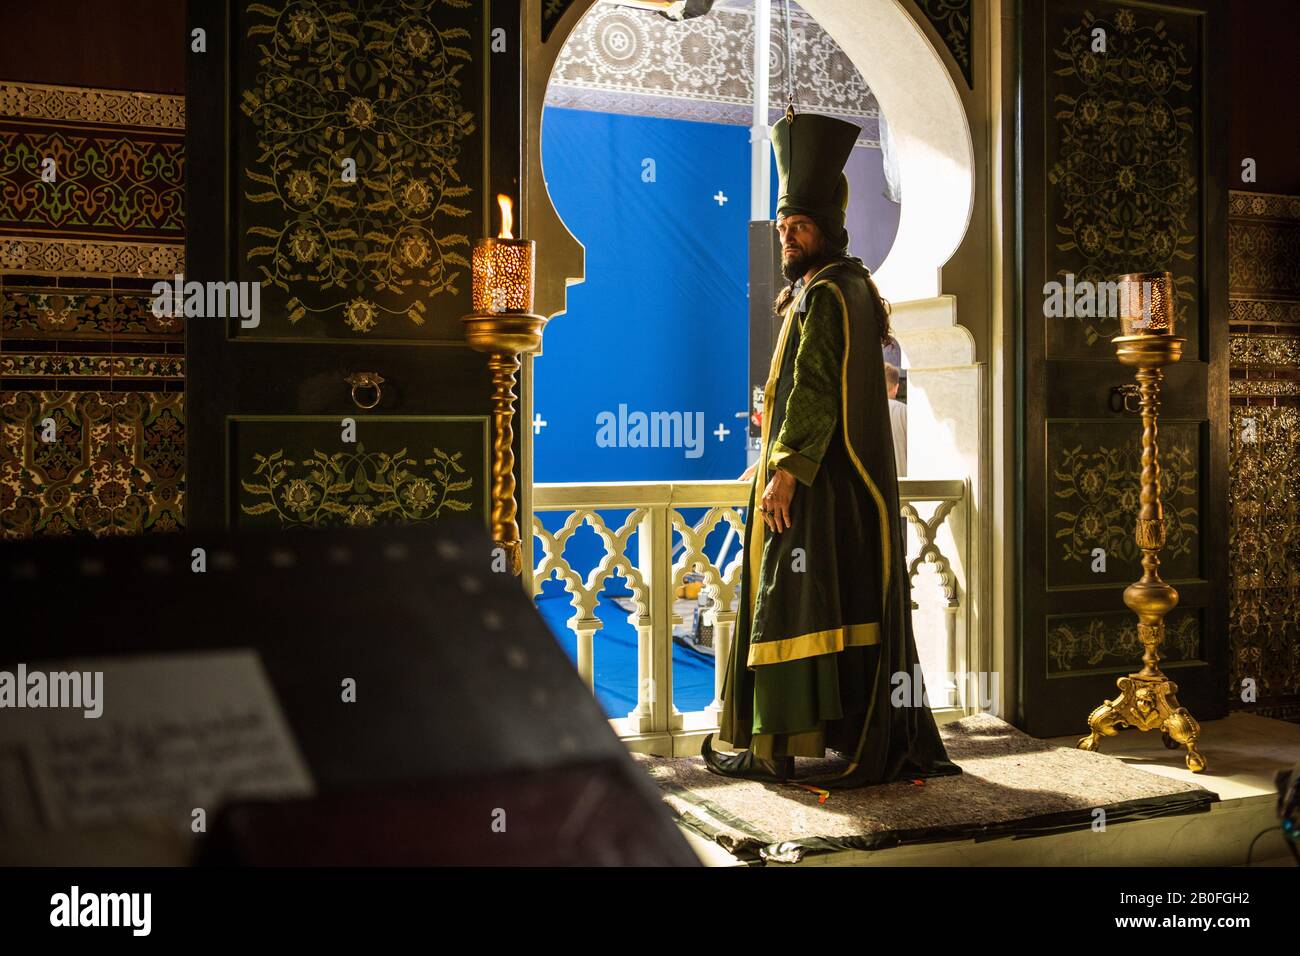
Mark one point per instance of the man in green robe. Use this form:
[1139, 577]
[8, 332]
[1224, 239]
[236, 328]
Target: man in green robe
[825, 603]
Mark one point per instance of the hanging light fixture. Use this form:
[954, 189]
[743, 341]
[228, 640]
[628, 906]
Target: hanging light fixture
[676, 10]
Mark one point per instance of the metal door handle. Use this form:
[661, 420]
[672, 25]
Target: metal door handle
[1119, 399]
[365, 380]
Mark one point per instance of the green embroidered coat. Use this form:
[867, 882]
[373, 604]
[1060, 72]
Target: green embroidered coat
[825, 606]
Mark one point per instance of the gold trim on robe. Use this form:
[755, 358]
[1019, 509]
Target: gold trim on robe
[803, 468]
[881, 510]
[830, 641]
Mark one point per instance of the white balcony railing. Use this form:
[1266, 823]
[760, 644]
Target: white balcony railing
[655, 573]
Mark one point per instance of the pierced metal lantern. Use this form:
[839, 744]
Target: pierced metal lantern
[1146, 303]
[503, 276]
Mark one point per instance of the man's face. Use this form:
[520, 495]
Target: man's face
[801, 245]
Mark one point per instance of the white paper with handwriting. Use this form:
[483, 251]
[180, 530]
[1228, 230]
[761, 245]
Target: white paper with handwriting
[178, 732]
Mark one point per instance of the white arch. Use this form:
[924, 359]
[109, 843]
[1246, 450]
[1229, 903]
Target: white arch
[936, 158]
[917, 96]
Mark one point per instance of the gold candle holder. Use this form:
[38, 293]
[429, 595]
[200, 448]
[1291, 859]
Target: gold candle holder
[1148, 699]
[504, 327]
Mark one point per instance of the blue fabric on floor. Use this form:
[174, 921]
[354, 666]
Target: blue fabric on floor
[615, 657]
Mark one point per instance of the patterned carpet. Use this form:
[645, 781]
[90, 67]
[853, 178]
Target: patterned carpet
[1011, 784]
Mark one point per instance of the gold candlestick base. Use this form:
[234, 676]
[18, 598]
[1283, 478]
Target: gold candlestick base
[1147, 704]
[1148, 699]
[504, 337]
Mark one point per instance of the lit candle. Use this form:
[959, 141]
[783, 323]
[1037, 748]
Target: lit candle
[503, 269]
[1146, 303]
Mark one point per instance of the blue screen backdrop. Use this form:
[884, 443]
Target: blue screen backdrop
[660, 324]
[661, 321]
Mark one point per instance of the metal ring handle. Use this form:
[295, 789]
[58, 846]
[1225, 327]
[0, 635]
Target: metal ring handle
[1119, 399]
[365, 380]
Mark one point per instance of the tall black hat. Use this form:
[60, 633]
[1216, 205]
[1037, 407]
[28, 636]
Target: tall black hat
[811, 151]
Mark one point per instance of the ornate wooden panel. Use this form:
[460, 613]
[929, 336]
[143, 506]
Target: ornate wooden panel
[1078, 643]
[116, 466]
[1123, 142]
[364, 273]
[92, 212]
[1093, 484]
[359, 164]
[952, 20]
[1264, 500]
[1122, 170]
[298, 473]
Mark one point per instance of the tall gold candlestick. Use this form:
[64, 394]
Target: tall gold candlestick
[1148, 699]
[504, 327]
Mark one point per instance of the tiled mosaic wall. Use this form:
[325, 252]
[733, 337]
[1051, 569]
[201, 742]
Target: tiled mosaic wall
[92, 424]
[630, 61]
[950, 18]
[1264, 389]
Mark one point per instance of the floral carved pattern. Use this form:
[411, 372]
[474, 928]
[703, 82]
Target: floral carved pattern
[1264, 452]
[1102, 486]
[1264, 549]
[952, 18]
[92, 184]
[96, 365]
[28, 255]
[1077, 644]
[1261, 311]
[1265, 256]
[375, 88]
[115, 464]
[552, 10]
[355, 489]
[1264, 349]
[1125, 192]
[84, 105]
[48, 312]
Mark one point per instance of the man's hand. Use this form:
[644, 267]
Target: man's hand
[749, 472]
[775, 503]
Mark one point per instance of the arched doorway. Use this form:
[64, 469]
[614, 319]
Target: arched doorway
[927, 120]
[930, 128]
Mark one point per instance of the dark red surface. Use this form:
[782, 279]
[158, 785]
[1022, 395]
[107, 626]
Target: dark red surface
[112, 44]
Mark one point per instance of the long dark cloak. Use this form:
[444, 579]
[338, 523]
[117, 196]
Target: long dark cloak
[825, 657]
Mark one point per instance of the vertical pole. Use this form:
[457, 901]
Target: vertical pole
[760, 181]
[654, 559]
[1149, 533]
[526, 544]
[586, 655]
[724, 624]
[760, 164]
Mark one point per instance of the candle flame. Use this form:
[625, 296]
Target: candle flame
[507, 216]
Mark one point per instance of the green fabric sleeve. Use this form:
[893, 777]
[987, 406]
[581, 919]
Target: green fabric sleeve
[813, 408]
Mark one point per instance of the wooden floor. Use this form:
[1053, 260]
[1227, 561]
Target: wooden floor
[1243, 751]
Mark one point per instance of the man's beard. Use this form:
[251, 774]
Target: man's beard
[799, 264]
